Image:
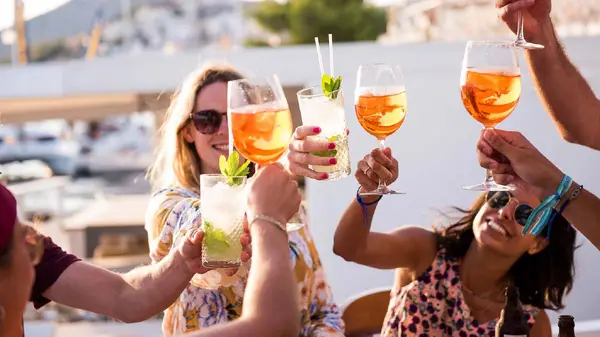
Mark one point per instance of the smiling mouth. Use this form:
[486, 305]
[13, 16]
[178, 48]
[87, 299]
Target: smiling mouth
[221, 147]
[498, 228]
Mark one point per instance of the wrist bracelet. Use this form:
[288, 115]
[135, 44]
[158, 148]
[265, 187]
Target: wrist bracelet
[540, 216]
[364, 204]
[574, 195]
[268, 219]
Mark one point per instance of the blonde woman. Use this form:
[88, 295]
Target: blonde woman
[192, 137]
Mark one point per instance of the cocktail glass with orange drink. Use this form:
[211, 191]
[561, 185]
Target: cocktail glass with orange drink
[380, 105]
[490, 88]
[260, 122]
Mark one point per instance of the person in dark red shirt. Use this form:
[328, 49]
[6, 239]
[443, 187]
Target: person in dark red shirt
[132, 297]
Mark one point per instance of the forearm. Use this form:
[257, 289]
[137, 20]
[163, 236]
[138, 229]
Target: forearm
[151, 289]
[566, 95]
[271, 292]
[353, 228]
[582, 212]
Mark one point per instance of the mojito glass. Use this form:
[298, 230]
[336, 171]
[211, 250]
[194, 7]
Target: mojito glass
[328, 113]
[222, 206]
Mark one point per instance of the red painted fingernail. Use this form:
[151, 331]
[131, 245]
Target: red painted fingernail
[317, 130]
[331, 146]
[332, 161]
[324, 176]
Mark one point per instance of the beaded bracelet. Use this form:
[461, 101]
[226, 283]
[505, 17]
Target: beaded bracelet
[270, 220]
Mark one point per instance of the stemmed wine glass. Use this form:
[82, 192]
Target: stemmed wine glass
[380, 105]
[260, 122]
[521, 42]
[490, 85]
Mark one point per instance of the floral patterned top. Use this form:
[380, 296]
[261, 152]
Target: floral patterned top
[214, 297]
[433, 305]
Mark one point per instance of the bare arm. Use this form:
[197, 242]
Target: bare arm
[130, 297]
[566, 95]
[404, 247]
[541, 327]
[270, 300]
[582, 212]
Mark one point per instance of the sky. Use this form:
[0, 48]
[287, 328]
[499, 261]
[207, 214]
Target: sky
[32, 8]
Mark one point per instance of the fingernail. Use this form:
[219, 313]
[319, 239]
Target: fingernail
[324, 176]
[331, 146]
[317, 130]
[332, 161]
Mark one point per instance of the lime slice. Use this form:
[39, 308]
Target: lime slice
[215, 239]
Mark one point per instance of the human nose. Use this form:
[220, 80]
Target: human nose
[224, 127]
[507, 212]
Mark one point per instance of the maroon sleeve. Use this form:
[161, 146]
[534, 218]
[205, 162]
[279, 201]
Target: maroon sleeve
[54, 262]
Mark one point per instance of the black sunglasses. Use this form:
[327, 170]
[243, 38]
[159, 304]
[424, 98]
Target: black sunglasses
[498, 200]
[208, 122]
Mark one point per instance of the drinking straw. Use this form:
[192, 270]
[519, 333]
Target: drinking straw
[331, 54]
[319, 56]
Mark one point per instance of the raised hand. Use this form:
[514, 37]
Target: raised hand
[379, 164]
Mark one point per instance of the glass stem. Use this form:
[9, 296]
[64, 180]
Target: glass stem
[488, 173]
[382, 184]
[520, 35]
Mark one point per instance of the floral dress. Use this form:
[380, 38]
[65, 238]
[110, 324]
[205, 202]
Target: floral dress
[216, 298]
[433, 305]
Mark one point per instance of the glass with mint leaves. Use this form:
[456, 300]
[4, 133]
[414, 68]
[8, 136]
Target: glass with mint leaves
[222, 205]
[323, 106]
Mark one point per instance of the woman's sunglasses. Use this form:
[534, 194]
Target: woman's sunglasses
[498, 200]
[34, 242]
[208, 122]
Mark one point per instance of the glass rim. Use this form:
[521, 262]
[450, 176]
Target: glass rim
[254, 79]
[497, 43]
[321, 94]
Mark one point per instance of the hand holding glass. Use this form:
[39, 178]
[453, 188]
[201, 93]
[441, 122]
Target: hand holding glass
[260, 123]
[380, 105]
[490, 85]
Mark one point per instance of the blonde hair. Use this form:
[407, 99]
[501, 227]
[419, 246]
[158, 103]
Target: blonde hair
[176, 162]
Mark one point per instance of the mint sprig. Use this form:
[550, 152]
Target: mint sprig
[214, 238]
[331, 85]
[328, 153]
[230, 167]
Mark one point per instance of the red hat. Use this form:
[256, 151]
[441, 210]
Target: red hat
[8, 215]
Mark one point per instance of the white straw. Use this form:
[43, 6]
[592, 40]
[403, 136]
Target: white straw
[331, 54]
[319, 56]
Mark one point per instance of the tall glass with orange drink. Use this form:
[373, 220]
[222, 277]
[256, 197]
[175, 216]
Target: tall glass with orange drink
[380, 105]
[490, 88]
[260, 122]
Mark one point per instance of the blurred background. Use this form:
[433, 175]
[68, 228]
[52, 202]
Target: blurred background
[84, 84]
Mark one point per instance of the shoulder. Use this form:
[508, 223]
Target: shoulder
[167, 205]
[541, 326]
[53, 263]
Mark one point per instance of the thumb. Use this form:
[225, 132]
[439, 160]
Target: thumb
[388, 152]
[504, 144]
[192, 243]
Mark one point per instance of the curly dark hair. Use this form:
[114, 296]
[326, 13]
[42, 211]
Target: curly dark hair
[544, 278]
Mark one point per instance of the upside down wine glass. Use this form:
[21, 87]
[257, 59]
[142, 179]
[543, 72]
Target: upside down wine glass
[380, 105]
[490, 88]
[521, 42]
